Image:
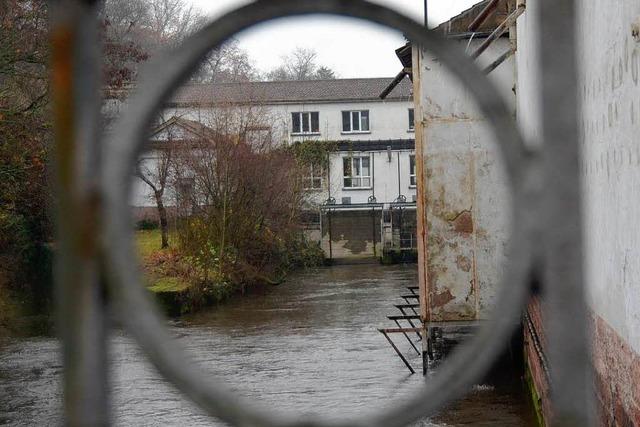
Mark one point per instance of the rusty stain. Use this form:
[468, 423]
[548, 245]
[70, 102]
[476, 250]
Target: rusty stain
[463, 263]
[463, 222]
[442, 298]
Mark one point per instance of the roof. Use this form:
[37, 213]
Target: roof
[459, 24]
[283, 92]
[191, 126]
[178, 130]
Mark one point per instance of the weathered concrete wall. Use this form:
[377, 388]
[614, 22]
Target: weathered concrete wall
[352, 234]
[465, 194]
[609, 63]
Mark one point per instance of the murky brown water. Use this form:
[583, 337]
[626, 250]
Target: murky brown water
[309, 345]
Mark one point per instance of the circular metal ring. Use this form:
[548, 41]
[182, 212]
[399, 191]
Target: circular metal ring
[138, 312]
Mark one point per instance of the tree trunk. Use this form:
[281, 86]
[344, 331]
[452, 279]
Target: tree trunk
[164, 223]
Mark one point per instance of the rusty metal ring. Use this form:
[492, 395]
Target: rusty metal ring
[138, 312]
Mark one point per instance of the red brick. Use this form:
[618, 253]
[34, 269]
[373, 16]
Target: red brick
[617, 377]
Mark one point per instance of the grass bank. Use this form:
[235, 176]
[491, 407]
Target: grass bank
[178, 281]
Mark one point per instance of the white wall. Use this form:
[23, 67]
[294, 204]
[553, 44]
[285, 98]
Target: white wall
[609, 64]
[388, 119]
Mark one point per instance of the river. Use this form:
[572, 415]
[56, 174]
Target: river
[309, 345]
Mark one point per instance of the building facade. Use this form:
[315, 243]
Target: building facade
[362, 200]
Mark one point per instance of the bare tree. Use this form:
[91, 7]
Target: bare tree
[249, 195]
[155, 170]
[135, 30]
[227, 64]
[301, 64]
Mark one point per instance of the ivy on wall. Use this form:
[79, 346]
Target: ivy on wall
[313, 152]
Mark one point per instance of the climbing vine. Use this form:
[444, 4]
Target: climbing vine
[313, 152]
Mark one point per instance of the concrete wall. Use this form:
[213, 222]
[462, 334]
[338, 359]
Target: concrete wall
[354, 234]
[465, 194]
[609, 63]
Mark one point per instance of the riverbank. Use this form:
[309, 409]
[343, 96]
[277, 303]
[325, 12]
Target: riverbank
[182, 286]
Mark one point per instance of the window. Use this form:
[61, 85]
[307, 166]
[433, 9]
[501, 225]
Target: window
[313, 181]
[412, 170]
[411, 119]
[305, 122]
[357, 172]
[355, 121]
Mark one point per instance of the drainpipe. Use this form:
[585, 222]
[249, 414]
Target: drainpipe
[373, 175]
[329, 175]
[399, 188]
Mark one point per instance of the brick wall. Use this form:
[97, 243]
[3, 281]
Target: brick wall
[536, 363]
[616, 371]
[617, 377]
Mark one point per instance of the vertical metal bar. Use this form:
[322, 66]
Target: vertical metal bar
[426, 14]
[563, 261]
[399, 188]
[425, 362]
[373, 220]
[330, 236]
[81, 312]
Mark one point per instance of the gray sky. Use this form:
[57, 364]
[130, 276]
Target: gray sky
[349, 47]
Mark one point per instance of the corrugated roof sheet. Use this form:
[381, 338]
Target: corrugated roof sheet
[290, 91]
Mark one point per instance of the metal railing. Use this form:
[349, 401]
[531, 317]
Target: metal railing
[94, 178]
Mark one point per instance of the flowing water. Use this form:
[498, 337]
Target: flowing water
[309, 345]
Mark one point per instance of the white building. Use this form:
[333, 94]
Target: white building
[370, 181]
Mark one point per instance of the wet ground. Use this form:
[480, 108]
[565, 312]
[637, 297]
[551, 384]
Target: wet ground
[309, 345]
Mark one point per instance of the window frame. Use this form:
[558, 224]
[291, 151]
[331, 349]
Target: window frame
[309, 122]
[351, 115]
[413, 181]
[361, 177]
[316, 172]
[412, 120]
